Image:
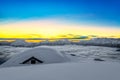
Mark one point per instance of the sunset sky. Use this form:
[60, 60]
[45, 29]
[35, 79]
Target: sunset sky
[58, 18]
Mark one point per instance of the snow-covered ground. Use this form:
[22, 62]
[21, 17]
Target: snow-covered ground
[83, 53]
[92, 63]
[63, 71]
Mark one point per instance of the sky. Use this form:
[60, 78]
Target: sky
[55, 18]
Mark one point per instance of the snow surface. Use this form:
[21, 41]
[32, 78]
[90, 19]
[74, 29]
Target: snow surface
[85, 68]
[45, 54]
[63, 71]
[83, 53]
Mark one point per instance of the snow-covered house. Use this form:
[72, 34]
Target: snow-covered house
[39, 55]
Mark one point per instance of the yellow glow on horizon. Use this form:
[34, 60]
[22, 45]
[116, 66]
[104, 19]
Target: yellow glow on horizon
[52, 29]
[34, 41]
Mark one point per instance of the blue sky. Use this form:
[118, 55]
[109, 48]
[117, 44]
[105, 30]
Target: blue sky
[105, 12]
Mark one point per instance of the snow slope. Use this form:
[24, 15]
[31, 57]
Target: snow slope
[63, 71]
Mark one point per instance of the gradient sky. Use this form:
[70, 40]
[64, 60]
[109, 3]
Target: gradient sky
[50, 18]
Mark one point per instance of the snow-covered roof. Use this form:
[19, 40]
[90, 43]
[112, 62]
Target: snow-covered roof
[45, 54]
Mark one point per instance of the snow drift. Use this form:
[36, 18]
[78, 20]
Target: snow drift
[45, 54]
